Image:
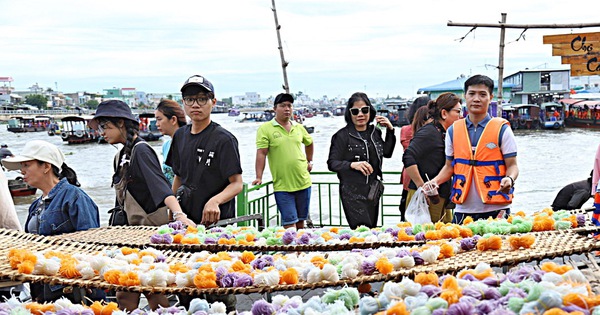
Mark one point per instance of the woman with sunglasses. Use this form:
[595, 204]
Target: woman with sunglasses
[356, 155]
[425, 155]
[141, 188]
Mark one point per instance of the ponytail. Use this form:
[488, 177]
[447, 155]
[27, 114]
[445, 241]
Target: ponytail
[65, 172]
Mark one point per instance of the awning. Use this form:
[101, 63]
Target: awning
[570, 101]
[589, 103]
[16, 96]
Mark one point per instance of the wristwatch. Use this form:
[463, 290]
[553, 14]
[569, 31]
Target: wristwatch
[310, 163]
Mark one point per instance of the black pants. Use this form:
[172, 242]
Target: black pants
[403, 205]
[358, 209]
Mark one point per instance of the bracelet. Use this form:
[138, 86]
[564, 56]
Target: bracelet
[178, 214]
[512, 181]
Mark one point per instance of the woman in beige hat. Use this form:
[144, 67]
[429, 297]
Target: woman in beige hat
[62, 208]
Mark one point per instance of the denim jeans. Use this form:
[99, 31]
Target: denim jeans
[293, 206]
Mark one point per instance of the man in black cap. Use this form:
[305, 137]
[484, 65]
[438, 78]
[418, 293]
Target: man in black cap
[206, 162]
[205, 158]
[282, 141]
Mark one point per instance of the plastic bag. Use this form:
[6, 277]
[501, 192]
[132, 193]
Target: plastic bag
[417, 211]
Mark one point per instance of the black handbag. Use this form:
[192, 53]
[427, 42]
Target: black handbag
[375, 190]
[118, 216]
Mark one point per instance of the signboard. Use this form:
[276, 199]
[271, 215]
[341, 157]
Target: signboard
[581, 51]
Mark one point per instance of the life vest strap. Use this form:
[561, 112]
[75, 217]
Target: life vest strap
[493, 193]
[457, 177]
[488, 179]
[496, 163]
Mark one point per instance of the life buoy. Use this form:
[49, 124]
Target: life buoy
[556, 125]
[64, 135]
[79, 133]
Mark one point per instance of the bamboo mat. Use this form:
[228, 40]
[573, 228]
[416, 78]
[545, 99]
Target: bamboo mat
[139, 236]
[548, 245]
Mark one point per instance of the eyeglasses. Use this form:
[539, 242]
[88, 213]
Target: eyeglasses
[102, 126]
[189, 101]
[364, 110]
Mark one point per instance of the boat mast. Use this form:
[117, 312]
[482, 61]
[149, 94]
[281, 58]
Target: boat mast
[284, 63]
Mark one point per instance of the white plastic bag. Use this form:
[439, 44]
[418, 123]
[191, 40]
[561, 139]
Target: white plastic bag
[417, 211]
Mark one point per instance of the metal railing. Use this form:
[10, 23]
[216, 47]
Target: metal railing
[325, 207]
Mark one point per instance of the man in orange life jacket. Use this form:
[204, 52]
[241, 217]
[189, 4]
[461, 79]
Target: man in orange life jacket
[481, 154]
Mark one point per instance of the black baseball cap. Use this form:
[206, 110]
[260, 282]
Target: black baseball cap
[197, 81]
[283, 97]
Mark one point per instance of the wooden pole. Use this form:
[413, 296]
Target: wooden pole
[501, 67]
[284, 63]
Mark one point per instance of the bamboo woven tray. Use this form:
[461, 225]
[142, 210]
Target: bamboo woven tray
[548, 245]
[139, 236]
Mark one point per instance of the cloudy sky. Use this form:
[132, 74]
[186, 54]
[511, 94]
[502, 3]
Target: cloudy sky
[334, 47]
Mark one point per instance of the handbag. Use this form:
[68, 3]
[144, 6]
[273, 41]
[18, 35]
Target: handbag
[118, 216]
[375, 190]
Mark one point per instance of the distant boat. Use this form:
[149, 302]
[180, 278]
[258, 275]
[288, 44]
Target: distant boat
[75, 130]
[20, 124]
[522, 116]
[18, 188]
[219, 109]
[148, 129]
[396, 111]
[265, 115]
[234, 112]
[583, 113]
[339, 111]
[554, 115]
[327, 114]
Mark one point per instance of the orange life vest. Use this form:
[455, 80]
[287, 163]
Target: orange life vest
[486, 164]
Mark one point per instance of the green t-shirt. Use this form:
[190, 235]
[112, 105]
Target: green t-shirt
[287, 158]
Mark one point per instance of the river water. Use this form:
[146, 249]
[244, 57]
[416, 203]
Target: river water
[547, 159]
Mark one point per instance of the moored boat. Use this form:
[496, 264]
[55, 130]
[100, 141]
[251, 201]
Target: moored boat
[75, 130]
[18, 188]
[20, 124]
[553, 115]
[148, 129]
[582, 113]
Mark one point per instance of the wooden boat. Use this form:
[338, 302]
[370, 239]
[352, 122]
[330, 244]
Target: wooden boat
[148, 129]
[522, 116]
[234, 112]
[582, 113]
[75, 130]
[18, 188]
[263, 116]
[553, 115]
[20, 124]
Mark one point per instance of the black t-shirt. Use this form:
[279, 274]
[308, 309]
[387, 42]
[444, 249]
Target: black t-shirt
[205, 161]
[147, 184]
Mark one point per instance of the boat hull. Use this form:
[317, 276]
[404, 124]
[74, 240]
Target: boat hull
[18, 188]
[583, 123]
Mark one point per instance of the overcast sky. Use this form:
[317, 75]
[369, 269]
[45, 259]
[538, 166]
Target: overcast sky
[334, 47]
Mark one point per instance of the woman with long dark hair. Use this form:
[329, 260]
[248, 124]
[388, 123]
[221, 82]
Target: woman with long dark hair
[406, 134]
[62, 208]
[356, 155]
[169, 117]
[425, 155]
[141, 188]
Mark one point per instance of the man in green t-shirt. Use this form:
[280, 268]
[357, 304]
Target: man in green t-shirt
[281, 140]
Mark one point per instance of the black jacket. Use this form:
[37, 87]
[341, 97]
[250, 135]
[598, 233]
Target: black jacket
[347, 146]
[427, 151]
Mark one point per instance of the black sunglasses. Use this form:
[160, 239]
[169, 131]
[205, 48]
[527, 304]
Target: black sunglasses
[364, 110]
